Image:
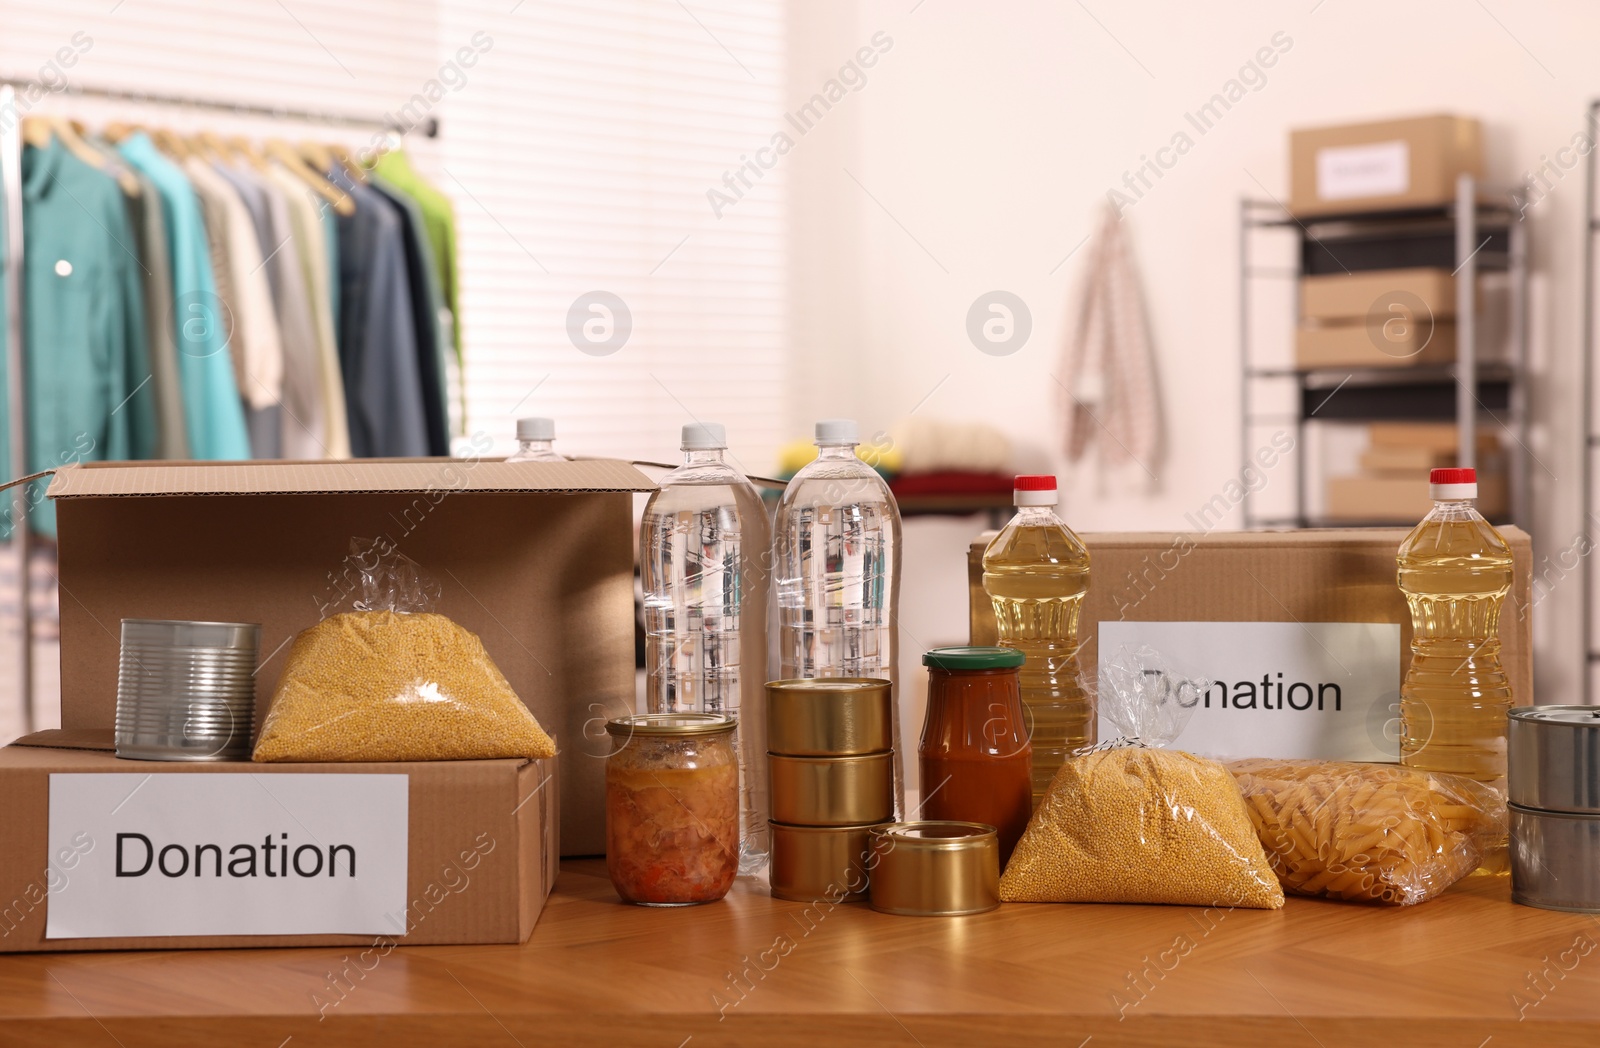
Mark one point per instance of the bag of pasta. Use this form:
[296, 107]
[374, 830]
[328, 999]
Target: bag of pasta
[1130, 822]
[1368, 832]
[392, 681]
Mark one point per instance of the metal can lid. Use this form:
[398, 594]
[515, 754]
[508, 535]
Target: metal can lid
[935, 834]
[670, 724]
[804, 684]
[1568, 716]
[973, 658]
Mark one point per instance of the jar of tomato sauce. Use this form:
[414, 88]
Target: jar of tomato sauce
[977, 762]
[672, 808]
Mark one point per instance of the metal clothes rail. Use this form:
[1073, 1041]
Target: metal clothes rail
[11, 261]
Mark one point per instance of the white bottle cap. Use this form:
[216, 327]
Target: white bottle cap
[835, 431]
[536, 429]
[704, 436]
[1034, 490]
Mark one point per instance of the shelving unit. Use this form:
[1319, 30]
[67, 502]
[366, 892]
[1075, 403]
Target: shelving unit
[1479, 232]
[1591, 441]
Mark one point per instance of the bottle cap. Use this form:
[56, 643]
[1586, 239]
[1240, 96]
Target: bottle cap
[834, 431]
[536, 429]
[1032, 489]
[1445, 485]
[704, 436]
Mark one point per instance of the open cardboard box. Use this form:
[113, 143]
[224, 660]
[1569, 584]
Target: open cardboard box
[535, 558]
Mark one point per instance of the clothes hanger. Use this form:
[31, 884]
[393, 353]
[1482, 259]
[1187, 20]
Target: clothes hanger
[67, 134]
[242, 146]
[317, 155]
[36, 132]
[342, 155]
[284, 153]
[172, 144]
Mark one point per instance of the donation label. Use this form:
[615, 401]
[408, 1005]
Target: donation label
[1327, 690]
[169, 853]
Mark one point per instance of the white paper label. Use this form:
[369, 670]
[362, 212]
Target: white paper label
[1328, 690]
[1378, 169]
[228, 854]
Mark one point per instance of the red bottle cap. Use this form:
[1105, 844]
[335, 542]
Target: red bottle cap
[1034, 489]
[1453, 476]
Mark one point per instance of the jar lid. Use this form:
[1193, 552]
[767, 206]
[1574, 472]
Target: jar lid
[678, 724]
[973, 658]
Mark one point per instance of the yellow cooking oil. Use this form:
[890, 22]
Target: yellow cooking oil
[1455, 572]
[1036, 573]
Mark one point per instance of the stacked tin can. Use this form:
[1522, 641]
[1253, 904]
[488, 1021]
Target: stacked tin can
[830, 750]
[1553, 778]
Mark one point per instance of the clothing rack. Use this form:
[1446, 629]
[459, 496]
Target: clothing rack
[11, 253]
[429, 127]
[11, 259]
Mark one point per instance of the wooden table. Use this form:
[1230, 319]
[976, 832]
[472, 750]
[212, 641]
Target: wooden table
[1463, 971]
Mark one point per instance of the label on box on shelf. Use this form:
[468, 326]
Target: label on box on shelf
[1327, 690]
[1372, 169]
[167, 853]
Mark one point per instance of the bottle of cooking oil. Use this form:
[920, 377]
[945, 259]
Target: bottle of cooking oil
[1455, 570]
[1036, 573]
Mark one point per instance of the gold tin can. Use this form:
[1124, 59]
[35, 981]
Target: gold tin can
[829, 717]
[935, 869]
[820, 862]
[832, 791]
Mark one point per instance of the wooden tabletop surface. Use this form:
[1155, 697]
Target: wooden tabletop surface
[1468, 970]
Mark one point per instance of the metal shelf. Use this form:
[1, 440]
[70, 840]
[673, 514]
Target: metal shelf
[1473, 234]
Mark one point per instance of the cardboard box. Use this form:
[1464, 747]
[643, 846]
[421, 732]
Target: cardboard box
[1382, 166]
[1374, 345]
[1388, 458]
[1438, 437]
[1367, 498]
[1335, 297]
[481, 845]
[1295, 578]
[535, 558]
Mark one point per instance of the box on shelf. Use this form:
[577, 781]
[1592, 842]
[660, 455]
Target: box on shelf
[1374, 345]
[535, 558]
[1369, 498]
[1382, 166]
[1438, 437]
[1336, 297]
[1317, 606]
[1408, 460]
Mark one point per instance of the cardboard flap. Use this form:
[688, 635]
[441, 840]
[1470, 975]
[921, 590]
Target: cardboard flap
[125, 479]
[103, 739]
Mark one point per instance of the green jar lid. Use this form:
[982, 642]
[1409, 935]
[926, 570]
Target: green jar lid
[969, 658]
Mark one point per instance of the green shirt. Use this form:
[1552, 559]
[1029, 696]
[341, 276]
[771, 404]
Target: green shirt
[87, 353]
[439, 217]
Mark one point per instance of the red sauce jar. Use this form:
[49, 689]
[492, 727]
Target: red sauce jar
[977, 762]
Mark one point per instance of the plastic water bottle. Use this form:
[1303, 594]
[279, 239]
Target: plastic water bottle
[536, 439]
[1036, 572]
[837, 565]
[1455, 570]
[702, 549]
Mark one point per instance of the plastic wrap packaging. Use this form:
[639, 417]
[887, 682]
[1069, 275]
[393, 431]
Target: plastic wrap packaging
[392, 681]
[1130, 822]
[1368, 832]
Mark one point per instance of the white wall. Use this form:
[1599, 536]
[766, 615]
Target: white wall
[990, 133]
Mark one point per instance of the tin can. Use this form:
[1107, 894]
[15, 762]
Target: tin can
[1555, 860]
[1553, 759]
[935, 869]
[832, 791]
[829, 717]
[820, 862]
[186, 690]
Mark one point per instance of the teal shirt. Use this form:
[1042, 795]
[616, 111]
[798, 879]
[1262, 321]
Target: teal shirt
[213, 412]
[87, 353]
